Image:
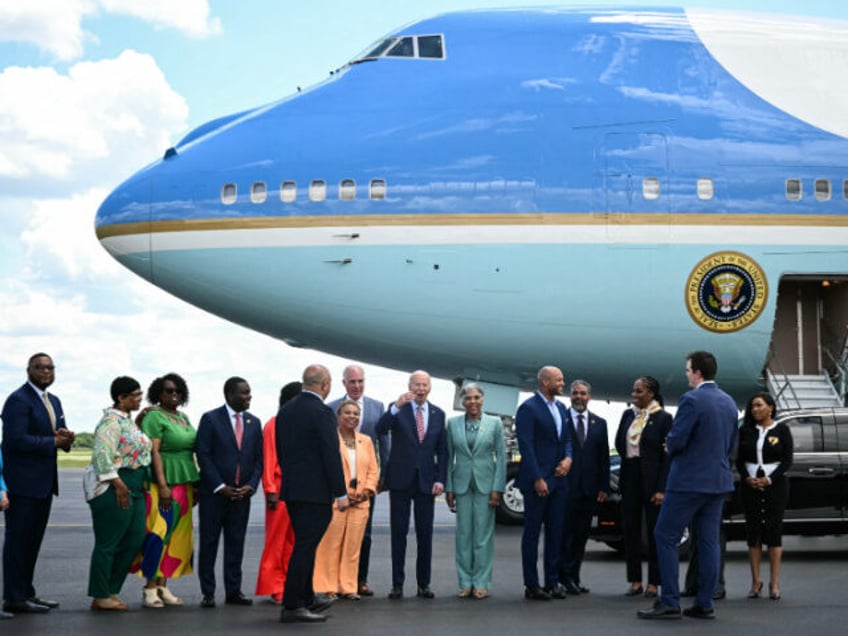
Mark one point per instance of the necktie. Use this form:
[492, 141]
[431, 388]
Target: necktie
[50, 411]
[419, 423]
[581, 429]
[239, 436]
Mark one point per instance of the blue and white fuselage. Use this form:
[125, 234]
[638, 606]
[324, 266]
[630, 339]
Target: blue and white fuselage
[486, 192]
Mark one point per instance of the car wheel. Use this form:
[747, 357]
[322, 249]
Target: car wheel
[511, 510]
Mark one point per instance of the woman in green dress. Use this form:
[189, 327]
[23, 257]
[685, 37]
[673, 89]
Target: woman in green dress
[169, 545]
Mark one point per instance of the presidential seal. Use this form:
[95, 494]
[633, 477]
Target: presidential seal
[726, 292]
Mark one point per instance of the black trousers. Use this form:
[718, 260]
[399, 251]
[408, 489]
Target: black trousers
[309, 522]
[26, 521]
[635, 505]
[219, 514]
[365, 550]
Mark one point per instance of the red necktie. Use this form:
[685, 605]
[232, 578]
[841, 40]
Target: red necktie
[419, 423]
[239, 436]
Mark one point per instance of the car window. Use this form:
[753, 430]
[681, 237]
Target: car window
[806, 434]
[842, 432]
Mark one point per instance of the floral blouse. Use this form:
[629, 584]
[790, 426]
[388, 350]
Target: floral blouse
[118, 443]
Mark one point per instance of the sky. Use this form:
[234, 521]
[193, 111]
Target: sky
[93, 90]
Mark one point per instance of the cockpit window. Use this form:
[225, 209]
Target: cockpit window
[378, 50]
[402, 48]
[430, 46]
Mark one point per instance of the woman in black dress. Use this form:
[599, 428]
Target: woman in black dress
[765, 454]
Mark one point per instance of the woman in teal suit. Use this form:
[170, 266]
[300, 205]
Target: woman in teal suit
[476, 477]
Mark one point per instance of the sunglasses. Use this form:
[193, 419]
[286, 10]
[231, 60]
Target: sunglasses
[171, 390]
[43, 367]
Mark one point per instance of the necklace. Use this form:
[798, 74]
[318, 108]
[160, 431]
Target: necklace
[472, 425]
[350, 443]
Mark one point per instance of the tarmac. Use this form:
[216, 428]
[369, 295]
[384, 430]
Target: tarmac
[813, 584]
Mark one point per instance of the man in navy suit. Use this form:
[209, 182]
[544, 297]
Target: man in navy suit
[414, 475]
[588, 483]
[229, 454]
[353, 379]
[33, 428]
[699, 445]
[544, 439]
[312, 479]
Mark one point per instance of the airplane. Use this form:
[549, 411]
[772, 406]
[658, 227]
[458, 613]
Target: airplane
[484, 192]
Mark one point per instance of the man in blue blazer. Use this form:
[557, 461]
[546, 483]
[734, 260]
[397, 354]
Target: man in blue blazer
[229, 454]
[33, 428]
[588, 483]
[414, 475]
[544, 439]
[353, 379]
[312, 479]
[699, 445]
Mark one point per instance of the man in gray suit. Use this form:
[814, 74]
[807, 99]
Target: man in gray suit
[353, 380]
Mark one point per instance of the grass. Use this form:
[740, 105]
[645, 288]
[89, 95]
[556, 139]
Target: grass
[77, 458]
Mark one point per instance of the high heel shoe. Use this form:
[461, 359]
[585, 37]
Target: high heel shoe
[774, 593]
[755, 592]
[634, 591]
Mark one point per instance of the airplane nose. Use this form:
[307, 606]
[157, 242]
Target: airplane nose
[122, 225]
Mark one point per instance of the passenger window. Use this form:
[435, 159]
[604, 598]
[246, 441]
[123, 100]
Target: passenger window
[845, 189]
[403, 48]
[794, 191]
[706, 189]
[822, 189]
[258, 192]
[229, 193]
[806, 434]
[651, 188]
[430, 46]
[347, 190]
[377, 190]
[288, 191]
[317, 190]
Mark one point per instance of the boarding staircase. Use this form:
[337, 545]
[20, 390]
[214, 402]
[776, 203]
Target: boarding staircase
[802, 391]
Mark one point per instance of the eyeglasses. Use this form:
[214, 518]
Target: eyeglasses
[43, 367]
[134, 394]
[171, 390]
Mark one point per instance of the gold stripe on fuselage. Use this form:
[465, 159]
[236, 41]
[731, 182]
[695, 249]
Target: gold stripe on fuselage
[381, 220]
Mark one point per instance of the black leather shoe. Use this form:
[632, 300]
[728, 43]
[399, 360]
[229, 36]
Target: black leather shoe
[364, 590]
[651, 594]
[396, 592]
[536, 593]
[688, 593]
[660, 611]
[719, 594]
[41, 601]
[320, 603]
[571, 587]
[424, 591]
[583, 589]
[634, 591]
[557, 592]
[238, 599]
[301, 615]
[208, 600]
[696, 611]
[24, 607]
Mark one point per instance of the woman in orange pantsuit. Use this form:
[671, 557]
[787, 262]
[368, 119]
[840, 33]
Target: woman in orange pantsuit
[279, 536]
[337, 559]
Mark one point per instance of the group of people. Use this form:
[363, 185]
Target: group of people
[321, 466]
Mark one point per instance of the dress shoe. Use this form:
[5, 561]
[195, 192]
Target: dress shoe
[556, 592]
[688, 593]
[5, 615]
[168, 597]
[719, 594]
[301, 615]
[108, 605]
[536, 593]
[321, 602]
[660, 611]
[651, 593]
[24, 607]
[634, 591]
[41, 601]
[571, 587]
[238, 598]
[583, 589]
[424, 591]
[755, 591]
[396, 592]
[696, 611]
[207, 601]
[364, 590]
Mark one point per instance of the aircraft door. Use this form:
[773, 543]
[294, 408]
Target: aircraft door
[634, 169]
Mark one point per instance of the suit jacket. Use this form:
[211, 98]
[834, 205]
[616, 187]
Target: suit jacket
[407, 456]
[654, 462]
[541, 448]
[700, 441]
[367, 470]
[777, 447]
[371, 413]
[29, 446]
[218, 454]
[308, 451]
[485, 462]
[590, 471]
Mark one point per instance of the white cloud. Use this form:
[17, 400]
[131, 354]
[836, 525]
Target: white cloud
[55, 26]
[189, 16]
[88, 127]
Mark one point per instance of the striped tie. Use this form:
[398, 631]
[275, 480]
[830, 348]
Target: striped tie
[419, 423]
